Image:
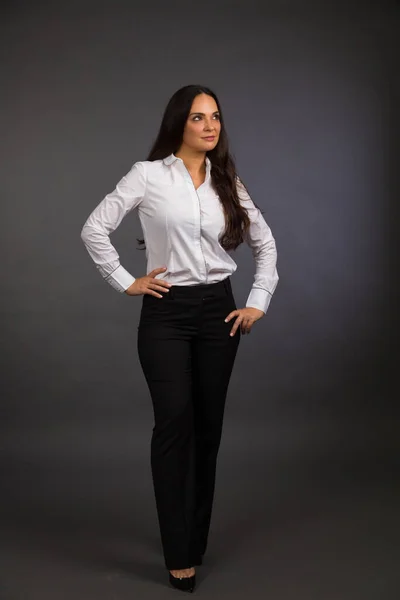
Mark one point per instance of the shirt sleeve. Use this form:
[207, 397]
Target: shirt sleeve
[262, 243]
[105, 218]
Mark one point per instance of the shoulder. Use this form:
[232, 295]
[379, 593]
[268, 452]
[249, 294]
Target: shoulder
[149, 167]
[149, 164]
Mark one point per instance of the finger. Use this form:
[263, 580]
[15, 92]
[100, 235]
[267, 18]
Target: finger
[157, 271]
[236, 325]
[231, 315]
[250, 325]
[157, 287]
[160, 282]
[246, 326]
[150, 292]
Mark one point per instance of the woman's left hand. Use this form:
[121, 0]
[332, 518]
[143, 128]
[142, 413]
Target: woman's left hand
[245, 318]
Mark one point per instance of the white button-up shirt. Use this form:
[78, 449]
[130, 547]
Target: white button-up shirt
[181, 226]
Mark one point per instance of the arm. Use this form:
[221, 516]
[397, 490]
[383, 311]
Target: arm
[262, 244]
[105, 218]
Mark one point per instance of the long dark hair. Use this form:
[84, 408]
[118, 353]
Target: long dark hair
[223, 171]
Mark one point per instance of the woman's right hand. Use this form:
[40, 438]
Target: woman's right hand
[148, 285]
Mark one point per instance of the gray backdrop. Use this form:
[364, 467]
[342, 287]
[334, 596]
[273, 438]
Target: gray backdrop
[304, 483]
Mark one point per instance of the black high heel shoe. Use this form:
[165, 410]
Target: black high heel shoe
[186, 584]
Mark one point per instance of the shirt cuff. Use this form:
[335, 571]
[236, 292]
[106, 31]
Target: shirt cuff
[120, 279]
[259, 298]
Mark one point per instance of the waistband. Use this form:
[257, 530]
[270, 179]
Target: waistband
[219, 288]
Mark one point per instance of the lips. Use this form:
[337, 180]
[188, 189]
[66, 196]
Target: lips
[210, 138]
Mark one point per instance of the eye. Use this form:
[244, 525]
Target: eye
[199, 117]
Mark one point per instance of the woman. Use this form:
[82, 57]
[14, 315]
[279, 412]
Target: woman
[194, 210]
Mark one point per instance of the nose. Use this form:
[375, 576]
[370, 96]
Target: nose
[208, 125]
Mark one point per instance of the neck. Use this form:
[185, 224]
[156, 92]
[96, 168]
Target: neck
[195, 162]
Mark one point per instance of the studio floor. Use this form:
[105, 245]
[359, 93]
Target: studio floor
[285, 531]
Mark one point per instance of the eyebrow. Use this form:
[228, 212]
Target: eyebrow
[200, 113]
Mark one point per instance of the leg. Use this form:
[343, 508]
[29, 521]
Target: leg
[214, 354]
[166, 363]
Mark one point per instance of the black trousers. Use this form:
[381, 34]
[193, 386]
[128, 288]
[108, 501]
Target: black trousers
[187, 356]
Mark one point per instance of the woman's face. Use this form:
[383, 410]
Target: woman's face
[203, 121]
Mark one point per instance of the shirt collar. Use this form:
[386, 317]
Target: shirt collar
[172, 158]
